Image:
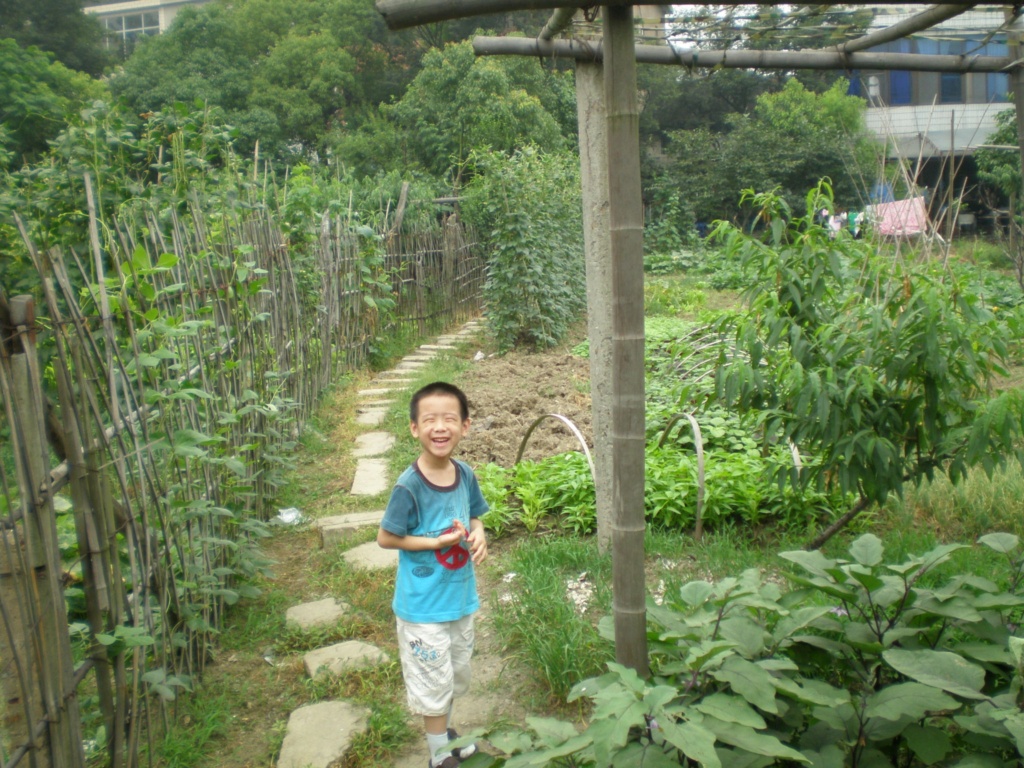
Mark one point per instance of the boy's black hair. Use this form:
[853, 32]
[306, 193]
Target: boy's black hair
[438, 388]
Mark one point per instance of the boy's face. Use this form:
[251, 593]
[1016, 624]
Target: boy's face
[439, 425]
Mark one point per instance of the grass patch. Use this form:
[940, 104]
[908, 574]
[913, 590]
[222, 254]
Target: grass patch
[553, 592]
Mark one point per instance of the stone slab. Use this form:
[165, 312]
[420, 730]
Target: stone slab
[409, 365]
[376, 403]
[318, 613]
[371, 477]
[420, 357]
[373, 444]
[375, 392]
[342, 657]
[394, 373]
[370, 556]
[336, 529]
[371, 417]
[437, 347]
[321, 734]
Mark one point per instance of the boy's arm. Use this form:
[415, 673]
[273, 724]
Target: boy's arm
[388, 540]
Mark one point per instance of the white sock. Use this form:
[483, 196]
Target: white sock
[437, 745]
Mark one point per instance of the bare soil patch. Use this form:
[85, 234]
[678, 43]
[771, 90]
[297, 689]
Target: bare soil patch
[508, 393]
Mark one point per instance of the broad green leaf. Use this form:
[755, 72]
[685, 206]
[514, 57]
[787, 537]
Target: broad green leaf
[830, 756]
[1017, 649]
[637, 755]
[1000, 542]
[797, 620]
[939, 669]
[167, 260]
[985, 652]
[873, 758]
[545, 757]
[908, 699]
[1013, 721]
[696, 593]
[699, 655]
[747, 738]
[551, 732]
[737, 758]
[511, 742]
[750, 681]
[748, 636]
[929, 743]
[810, 691]
[954, 608]
[731, 709]
[659, 696]
[867, 550]
[695, 741]
[812, 562]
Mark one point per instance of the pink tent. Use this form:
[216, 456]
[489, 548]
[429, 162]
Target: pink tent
[901, 218]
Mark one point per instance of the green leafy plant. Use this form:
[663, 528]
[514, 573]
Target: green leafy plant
[866, 663]
[883, 369]
[527, 209]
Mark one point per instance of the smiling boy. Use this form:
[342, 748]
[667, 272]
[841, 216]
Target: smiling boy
[433, 520]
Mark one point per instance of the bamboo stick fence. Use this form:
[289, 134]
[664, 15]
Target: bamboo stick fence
[185, 351]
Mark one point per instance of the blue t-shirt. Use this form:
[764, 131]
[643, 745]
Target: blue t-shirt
[434, 586]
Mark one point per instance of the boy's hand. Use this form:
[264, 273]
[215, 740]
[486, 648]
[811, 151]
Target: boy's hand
[477, 541]
[450, 538]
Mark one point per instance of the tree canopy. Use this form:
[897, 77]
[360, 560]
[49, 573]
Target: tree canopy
[38, 98]
[57, 26]
[789, 140]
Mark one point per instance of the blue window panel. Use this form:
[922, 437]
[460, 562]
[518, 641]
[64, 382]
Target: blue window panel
[900, 90]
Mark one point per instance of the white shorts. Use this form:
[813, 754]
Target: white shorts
[435, 663]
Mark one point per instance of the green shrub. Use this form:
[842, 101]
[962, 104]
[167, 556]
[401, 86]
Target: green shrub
[866, 663]
[527, 211]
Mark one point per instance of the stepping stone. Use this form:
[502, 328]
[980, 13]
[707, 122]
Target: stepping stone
[411, 365]
[449, 339]
[376, 403]
[320, 734]
[335, 529]
[371, 557]
[419, 357]
[437, 347]
[373, 444]
[318, 613]
[379, 392]
[394, 373]
[371, 417]
[371, 477]
[343, 657]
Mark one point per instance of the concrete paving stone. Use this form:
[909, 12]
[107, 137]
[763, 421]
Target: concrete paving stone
[318, 613]
[371, 477]
[335, 530]
[376, 403]
[449, 339]
[373, 444]
[321, 734]
[375, 392]
[438, 347]
[342, 657]
[411, 365]
[395, 373]
[371, 556]
[371, 417]
[420, 357]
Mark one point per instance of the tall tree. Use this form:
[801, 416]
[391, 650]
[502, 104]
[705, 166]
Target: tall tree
[459, 102]
[792, 139]
[38, 97]
[57, 26]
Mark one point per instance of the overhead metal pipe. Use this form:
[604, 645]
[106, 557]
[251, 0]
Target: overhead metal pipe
[743, 59]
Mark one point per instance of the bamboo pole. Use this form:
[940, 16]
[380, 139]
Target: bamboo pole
[743, 59]
[625, 222]
[402, 14]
